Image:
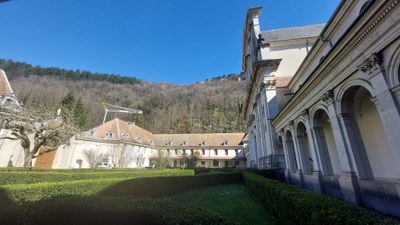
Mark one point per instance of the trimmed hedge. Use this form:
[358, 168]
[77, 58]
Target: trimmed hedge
[109, 210]
[138, 187]
[21, 193]
[200, 170]
[164, 186]
[20, 177]
[292, 205]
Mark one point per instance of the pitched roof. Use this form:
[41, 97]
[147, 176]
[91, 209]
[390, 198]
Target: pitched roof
[210, 139]
[119, 128]
[292, 33]
[122, 130]
[5, 87]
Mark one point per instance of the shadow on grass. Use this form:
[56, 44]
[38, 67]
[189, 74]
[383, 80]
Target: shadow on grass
[120, 204]
[151, 187]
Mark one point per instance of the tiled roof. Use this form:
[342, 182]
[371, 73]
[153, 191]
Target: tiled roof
[292, 33]
[119, 128]
[283, 81]
[5, 88]
[122, 130]
[210, 139]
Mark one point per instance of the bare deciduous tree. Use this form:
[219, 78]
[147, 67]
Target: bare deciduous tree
[161, 159]
[50, 133]
[121, 157]
[94, 157]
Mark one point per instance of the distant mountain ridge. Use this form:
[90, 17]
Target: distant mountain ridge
[215, 105]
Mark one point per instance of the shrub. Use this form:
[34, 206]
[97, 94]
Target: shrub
[14, 177]
[267, 173]
[200, 170]
[164, 186]
[292, 205]
[21, 193]
[138, 187]
[109, 210]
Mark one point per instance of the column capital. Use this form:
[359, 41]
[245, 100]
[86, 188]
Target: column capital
[327, 96]
[371, 64]
[268, 84]
[305, 113]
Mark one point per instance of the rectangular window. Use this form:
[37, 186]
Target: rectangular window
[236, 152]
[176, 151]
[168, 152]
[226, 163]
[215, 152]
[184, 152]
[226, 151]
[191, 151]
[203, 152]
[203, 163]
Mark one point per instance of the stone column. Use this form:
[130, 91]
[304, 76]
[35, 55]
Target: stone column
[348, 180]
[287, 160]
[384, 101]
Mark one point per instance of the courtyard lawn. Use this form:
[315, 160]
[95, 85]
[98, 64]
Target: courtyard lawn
[232, 201]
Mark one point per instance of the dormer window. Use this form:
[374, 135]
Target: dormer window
[125, 136]
[169, 143]
[92, 134]
[184, 142]
[225, 142]
[138, 140]
[203, 143]
[151, 142]
[110, 135]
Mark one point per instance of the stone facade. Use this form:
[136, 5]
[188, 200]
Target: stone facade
[118, 138]
[339, 124]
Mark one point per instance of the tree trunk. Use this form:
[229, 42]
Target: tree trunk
[28, 162]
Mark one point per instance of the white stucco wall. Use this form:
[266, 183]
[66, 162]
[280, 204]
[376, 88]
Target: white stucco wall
[291, 56]
[67, 156]
[12, 148]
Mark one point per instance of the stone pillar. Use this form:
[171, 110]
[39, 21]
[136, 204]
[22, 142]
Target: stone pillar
[348, 180]
[384, 101]
[287, 160]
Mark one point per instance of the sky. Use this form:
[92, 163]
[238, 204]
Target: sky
[175, 41]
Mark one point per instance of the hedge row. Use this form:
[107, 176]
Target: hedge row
[21, 193]
[138, 187]
[164, 186]
[15, 177]
[292, 205]
[108, 210]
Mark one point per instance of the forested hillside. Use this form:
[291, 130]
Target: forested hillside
[211, 106]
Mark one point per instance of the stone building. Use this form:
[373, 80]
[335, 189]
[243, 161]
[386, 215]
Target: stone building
[213, 149]
[336, 117]
[122, 144]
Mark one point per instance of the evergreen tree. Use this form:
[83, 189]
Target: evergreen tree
[79, 113]
[67, 107]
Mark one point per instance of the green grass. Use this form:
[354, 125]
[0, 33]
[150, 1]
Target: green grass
[232, 201]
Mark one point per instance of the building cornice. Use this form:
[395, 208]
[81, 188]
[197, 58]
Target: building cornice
[346, 43]
[258, 67]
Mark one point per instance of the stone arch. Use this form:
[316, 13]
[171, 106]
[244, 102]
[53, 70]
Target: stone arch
[366, 134]
[304, 147]
[394, 69]
[356, 82]
[293, 166]
[325, 142]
